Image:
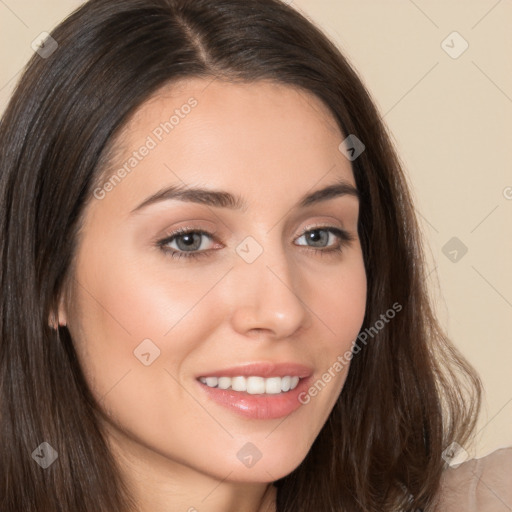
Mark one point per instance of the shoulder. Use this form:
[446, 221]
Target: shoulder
[479, 485]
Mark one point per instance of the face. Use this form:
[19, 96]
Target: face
[256, 284]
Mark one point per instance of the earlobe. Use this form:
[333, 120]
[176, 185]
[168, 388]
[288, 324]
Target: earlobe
[61, 320]
[54, 323]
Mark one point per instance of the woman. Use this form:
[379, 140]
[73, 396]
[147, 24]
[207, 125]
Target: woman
[212, 280]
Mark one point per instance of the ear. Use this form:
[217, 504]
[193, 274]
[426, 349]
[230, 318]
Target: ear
[61, 319]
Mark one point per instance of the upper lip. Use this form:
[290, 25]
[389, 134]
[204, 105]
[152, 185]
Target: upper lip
[263, 369]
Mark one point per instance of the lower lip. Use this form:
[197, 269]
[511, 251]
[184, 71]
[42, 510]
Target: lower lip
[259, 407]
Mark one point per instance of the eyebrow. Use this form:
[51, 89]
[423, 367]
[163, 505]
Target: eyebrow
[224, 199]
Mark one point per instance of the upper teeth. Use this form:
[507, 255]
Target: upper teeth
[253, 385]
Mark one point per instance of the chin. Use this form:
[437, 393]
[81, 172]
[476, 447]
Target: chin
[265, 464]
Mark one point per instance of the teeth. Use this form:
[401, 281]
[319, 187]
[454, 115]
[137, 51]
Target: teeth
[253, 385]
[238, 384]
[286, 383]
[211, 381]
[224, 382]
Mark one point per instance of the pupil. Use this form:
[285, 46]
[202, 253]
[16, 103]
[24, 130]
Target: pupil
[189, 240]
[317, 235]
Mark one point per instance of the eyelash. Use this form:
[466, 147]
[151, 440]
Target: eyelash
[344, 237]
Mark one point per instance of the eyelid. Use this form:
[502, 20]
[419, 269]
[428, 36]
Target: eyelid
[321, 225]
[184, 231]
[344, 236]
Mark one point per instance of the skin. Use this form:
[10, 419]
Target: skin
[271, 144]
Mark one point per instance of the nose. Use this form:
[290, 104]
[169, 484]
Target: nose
[266, 296]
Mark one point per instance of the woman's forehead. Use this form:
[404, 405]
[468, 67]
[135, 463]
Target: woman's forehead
[257, 137]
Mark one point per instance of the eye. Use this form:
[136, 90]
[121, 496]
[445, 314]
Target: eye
[188, 242]
[323, 236]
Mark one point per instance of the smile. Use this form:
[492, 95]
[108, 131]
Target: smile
[253, 385]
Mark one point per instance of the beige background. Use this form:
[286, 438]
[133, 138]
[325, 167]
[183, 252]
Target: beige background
[451, 122]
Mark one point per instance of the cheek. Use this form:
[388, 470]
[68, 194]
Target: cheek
[122, 303]
[342, 302]
[341, 306]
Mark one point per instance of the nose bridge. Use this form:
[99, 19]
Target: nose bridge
[267, 288]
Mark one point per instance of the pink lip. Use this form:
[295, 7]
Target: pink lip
[260, 406]
[262, 370]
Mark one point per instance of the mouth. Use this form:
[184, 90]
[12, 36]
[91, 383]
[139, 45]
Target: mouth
[258, 391]
[253, 384]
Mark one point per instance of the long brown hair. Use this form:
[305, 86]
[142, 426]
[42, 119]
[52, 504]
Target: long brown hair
[409, 393]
